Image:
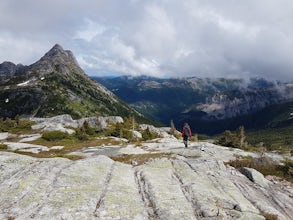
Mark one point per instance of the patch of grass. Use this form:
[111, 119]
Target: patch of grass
[70, 157]
[202, 137]
[266, 166]
[269, 216]
[54, 135]
[147, 134]
[75, 144]
[70, 145]
[15, 126]
[138, 159]
[50, 154]
[194, 138]
[3, 146]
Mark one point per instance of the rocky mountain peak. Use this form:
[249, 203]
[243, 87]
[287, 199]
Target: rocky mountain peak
[7, 67]
[58, 55]
[56, 60]
[55, 51]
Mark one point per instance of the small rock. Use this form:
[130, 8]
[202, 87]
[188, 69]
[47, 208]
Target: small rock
[57, 148]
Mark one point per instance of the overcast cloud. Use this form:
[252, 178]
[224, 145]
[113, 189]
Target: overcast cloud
[163, 38]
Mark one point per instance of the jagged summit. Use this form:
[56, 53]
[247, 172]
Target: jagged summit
[57, 50]
[9, 69]
[57, 59]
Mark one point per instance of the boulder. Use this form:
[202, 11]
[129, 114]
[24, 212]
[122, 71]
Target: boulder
[159, 131]
[24, 147]
[255, 176]
[3, 135]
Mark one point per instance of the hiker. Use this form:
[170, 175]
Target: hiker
[186, 132]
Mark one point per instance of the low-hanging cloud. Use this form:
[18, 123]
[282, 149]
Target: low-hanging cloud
[172, 38]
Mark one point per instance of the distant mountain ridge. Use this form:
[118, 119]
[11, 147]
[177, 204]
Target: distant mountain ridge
[210, 105]
[56, 85]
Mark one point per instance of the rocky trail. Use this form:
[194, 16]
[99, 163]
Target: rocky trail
[192, 183]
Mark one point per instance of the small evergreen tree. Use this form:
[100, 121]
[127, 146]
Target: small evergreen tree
[16, 120]
[236, 140]
[86, 128]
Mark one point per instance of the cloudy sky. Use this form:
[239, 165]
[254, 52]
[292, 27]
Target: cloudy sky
[164, 38]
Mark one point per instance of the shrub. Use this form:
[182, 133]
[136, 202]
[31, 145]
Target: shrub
[269, 216]
[194, 138]
[25, 124]
[266, 166]
[86, 128]
[233, 139]
[3, 146]
[130, 123]
[84, 132]
[54, 135]
[120, 130]
[127, 134]
[115, 130]
[287, 168]
[13, 126]
[148, 135]
[81, 135]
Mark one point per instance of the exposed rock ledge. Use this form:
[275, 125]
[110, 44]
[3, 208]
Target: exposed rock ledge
[181, 187]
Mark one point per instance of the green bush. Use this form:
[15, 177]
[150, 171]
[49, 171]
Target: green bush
[233, 139]
[287, 168]
[115, 130]
[148, 135]
[127, 134]
[86, 128]
[55, 135]
[81, 135]
[120, 130]
[16, 125]
[194, 138]
[25, 124]
[3, 146]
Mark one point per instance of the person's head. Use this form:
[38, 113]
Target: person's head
[185, 124]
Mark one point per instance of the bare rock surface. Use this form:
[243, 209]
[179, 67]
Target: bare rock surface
[30, 137]
[192, 183]
[24, 147]
[64, 122]
[4, 135]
